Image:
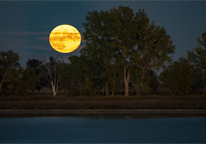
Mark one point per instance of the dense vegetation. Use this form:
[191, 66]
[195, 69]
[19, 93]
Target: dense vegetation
[122, 55]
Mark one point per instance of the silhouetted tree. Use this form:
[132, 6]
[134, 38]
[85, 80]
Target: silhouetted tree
[36, 64]
[154, 47]
[49, 71]
[8, 60]
[13, 82]
[198, 56]
[126, 39]
[82, 75]
[122, 29]
[97, 49]
[177, 78]
[29, 79]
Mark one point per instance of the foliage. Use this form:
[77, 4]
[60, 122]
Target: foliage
[8, 60]
[120, 37]
[150, 82]
[35, 64]
[13, 82]
[30, 78]
[83, 75]
[97, 50]
[18, 81]
[154, 48]
[198, 58]
[177, 78]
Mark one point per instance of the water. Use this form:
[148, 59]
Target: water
[102, 130]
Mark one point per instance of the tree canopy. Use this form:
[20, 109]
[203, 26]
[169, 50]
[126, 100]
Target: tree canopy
[8, 60]
[120, 37]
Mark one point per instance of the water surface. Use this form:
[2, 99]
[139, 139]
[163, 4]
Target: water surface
[102, 130]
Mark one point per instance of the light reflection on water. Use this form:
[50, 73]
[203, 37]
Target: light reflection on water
[102, 130]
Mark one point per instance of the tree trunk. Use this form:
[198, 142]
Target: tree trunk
[113, 90]
[141, 84]
[54, 91]
[107, 88]
[126, 88]
[126, 81]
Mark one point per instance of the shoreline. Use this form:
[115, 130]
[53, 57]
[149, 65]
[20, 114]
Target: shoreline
[141, 113]
[103, 103]
[108, 110]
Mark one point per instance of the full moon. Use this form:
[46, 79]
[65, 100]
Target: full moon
[65, 38]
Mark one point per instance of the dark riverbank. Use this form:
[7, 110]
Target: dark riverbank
[103, 113]
[48, 102]
[137, 106]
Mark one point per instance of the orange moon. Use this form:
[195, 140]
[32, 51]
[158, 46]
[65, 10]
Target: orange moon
[65, 38]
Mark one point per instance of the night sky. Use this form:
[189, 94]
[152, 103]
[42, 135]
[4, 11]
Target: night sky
[25, 25]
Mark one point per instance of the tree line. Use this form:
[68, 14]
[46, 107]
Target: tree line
[122, 52]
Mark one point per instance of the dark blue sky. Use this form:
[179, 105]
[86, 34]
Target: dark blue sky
[25, 25]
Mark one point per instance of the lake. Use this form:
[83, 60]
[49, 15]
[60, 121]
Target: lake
[102, 130]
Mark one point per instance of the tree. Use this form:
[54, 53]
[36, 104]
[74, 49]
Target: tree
[8, 60]
[109, 36]
[129, 40]
[13, 82]
[97, 50]
[29, 79]
[122, 32]
[36, 64]
[72, 75]
[49, 71]
[83, 75]
[154, 47]
[178, 77]
[198, 56]
[150, 82]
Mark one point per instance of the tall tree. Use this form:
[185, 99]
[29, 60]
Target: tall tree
[8, 60]
[49, 71]
[110, 36]
[154, 46]
[97, 50]
[198, 56]
[127, 39]
[122, 32]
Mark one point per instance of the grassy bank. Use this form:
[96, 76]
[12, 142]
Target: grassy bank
[48, 102]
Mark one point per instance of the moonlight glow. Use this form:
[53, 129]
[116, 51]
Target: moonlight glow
[65, 38]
